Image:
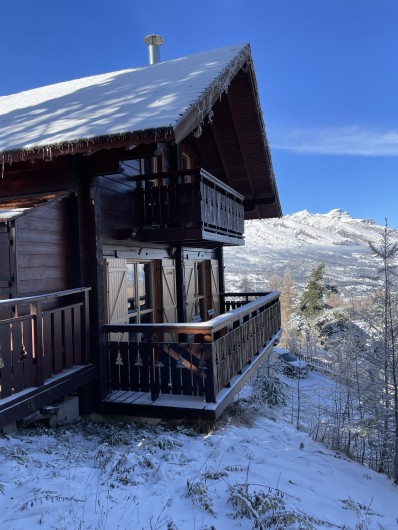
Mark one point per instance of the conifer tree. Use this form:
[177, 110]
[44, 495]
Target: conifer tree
[312, 300]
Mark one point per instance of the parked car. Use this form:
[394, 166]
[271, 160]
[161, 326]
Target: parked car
[292, 366]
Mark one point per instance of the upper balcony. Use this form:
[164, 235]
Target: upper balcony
[190, 206]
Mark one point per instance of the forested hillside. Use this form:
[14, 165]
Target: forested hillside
[339, 296]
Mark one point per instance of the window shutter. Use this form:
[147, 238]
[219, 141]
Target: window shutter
[116, 305]
[215, 286]
[169, 296]
[190, 286]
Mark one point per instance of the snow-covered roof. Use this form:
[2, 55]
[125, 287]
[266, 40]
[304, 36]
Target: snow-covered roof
[7, 214]
[154, 97]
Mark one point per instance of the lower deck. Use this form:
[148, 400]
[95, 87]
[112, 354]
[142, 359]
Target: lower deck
[169, 406]
[22, 404]
[162, 370]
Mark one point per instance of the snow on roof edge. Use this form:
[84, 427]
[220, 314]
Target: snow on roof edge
[47, 152]
[204, 103]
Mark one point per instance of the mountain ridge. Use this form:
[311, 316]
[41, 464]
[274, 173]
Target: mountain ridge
[302, 240]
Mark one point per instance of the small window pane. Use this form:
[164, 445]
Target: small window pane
[145, 286]
[132, 304]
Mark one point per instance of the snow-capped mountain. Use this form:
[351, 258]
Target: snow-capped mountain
[300, 242]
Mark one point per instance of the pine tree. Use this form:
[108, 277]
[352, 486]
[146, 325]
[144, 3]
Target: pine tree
[312, 298]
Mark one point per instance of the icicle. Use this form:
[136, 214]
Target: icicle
[219, 86]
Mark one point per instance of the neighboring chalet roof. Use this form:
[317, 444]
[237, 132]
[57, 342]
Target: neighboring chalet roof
[163, 101]
[7, 214]
[16, 206]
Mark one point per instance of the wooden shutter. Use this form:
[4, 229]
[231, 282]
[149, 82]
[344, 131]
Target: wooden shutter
[116, 304]
[169, 296]
[190, 289]
[215, 286]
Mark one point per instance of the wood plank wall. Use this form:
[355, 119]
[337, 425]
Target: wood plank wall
[120, 208]
[25, 179]
[42, 247]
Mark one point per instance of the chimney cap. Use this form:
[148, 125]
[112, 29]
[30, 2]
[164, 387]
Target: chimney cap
[153, 40]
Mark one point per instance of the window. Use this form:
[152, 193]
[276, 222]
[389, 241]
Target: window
[140, 292]
[185, 161]
[197, 289]
[186, 164]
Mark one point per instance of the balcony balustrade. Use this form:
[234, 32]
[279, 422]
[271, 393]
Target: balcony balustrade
[41, 337]
[203, 357]
[190, 206]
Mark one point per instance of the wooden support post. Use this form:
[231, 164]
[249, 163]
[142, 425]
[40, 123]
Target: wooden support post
[180, 283]
[86, 329]
[153, 382]
[36, 309]
[211, 373]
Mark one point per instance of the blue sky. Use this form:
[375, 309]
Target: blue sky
[327, 73]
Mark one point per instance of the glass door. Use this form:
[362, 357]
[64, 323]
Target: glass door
[140, 292]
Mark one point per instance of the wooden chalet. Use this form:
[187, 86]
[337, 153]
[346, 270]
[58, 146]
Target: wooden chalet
[117, 195]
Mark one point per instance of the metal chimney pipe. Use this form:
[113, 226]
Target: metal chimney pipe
[153, 42]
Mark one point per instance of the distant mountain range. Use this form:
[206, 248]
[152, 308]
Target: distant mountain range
[302, 241]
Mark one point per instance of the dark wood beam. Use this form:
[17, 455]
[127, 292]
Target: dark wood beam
[250, 204]
[217, 140]
[241, 147]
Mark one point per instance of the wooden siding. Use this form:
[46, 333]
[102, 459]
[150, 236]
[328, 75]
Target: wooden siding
[29, 181]
[119, 210]
[42, 249]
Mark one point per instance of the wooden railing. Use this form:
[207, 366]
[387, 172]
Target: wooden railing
[41, 336]
[190, 199]
[204, 358]
[230, 301]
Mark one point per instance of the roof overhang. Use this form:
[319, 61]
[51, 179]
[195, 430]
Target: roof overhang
[223, 119]
[234, 147]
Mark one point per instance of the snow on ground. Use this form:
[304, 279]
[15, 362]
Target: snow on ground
[168, 476]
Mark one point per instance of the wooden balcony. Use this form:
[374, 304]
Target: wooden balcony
[190, 206]
[186, 369]
[44, 350]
